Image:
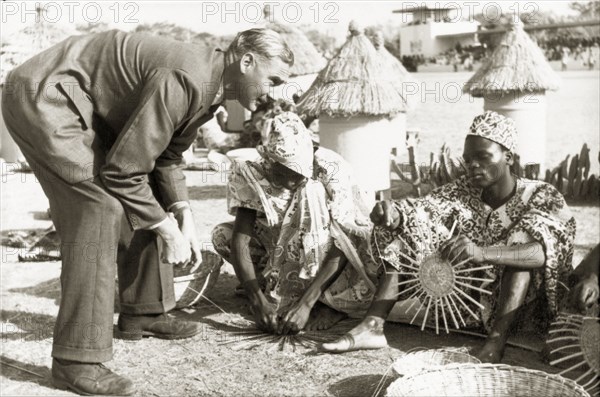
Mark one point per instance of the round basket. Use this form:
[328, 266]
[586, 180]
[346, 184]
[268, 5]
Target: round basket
[574, 347]
[189, 287]
[413, 362]
[489, 380]
[443, 291]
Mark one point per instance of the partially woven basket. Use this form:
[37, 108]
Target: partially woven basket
[574, 347]
[490, 380]
[190, 287]
[414, 362]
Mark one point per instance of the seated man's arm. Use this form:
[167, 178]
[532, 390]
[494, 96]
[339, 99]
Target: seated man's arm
[520, 256]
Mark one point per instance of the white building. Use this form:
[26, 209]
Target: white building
[431, 31]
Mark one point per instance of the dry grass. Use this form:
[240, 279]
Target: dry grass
[205, 364]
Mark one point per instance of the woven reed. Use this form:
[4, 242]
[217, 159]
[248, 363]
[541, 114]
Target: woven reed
[414, 362]
[354, 82]
[490, 380]
[574, 347]
[516, 65]
[195, 285]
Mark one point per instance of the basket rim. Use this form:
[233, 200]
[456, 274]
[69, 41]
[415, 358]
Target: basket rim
[497, 367]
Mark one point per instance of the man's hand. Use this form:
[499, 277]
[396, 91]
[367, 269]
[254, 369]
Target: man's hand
[295, 319]
[176, 249]
[460, 248]
[386, 215]
[185, 219]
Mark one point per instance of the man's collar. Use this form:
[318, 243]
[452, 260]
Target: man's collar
[218, 71]
[220, 97]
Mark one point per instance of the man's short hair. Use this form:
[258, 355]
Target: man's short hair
[264, 42]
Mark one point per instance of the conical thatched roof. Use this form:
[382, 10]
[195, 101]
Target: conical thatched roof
[354, 82]
[400, 78]
[516, 65]
[307, 59]
[29, 41]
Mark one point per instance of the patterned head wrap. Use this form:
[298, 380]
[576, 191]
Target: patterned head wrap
[496, 128]
[289, 143]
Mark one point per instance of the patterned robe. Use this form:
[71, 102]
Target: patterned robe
[536, 212]
[280, 251]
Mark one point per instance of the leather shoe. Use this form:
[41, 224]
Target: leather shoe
[89, 379]
[162, 326]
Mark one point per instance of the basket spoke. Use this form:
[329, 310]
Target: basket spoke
[485, 280]
[409, 259]
[444, 315]
[466, 306]
[461, 263]
[414, 280]
[563, 348]
[418, 310]
[591, 381]
[437, 326]
[418, 299]
[589, 371]
[451, 299]
[463, 293]
[579, 364]
[483, 291]
[562, 338]
[563, 330]
[426, 313]
[408, 289]
[473, 269]
[566, 358]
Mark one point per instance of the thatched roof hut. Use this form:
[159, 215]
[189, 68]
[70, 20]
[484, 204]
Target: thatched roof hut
[396, 72]
[354, 82]
[307, 59]
[516, 65]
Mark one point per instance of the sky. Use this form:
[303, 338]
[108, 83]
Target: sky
[229, 17]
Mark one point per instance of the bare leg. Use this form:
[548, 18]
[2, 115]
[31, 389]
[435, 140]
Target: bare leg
[369, 333]
[513, 291]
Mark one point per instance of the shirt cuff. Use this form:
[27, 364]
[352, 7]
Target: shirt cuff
[157, 224]
[178, 206]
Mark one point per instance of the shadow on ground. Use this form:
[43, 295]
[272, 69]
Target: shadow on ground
[26, 326]
[363, 385]
[207, 192]
[22, 372]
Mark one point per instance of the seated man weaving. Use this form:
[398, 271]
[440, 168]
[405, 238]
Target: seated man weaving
[521, 227]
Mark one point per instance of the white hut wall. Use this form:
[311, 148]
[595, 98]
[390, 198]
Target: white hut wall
[528, 110]
[397, 132]
[363, 142]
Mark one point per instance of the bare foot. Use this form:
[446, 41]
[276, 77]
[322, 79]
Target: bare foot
[366, 335]
[323, 317]
[492, 351]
